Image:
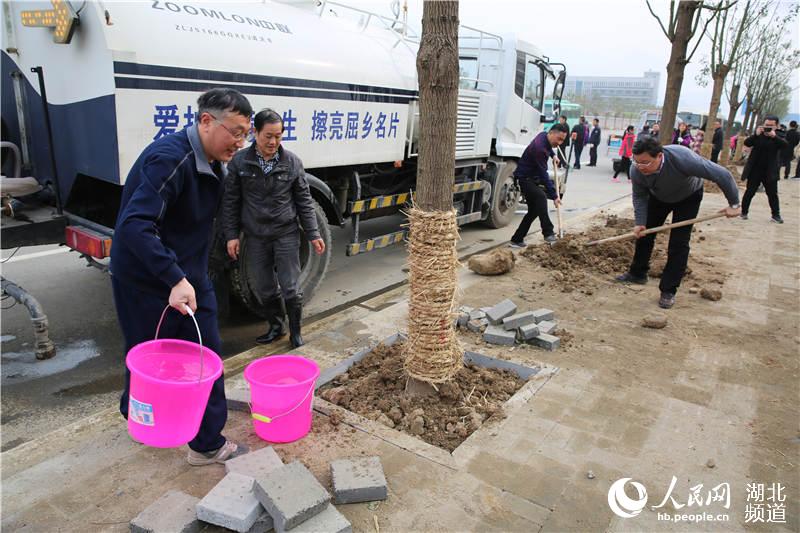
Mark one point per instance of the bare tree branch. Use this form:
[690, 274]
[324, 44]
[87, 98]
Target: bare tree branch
[697, 44]
[659, 20]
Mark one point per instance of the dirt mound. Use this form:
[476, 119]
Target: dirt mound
[375, 388]
[617, 222]
[573, 263]
[576, 266]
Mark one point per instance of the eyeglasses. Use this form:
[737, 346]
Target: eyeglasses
[643, 165]
[237, 135]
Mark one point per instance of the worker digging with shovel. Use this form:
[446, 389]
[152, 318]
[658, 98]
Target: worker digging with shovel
[669, 179]
[537, 186]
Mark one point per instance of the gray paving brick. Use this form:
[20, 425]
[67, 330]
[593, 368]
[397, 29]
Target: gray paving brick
[254, 463]
[503, 309]
[548, 342]
[231, 504]
[497, 335]
[465, 309]
[462, 319]
[238, 399]
[528, 332]
[477, 325]
[173, 512]
[543, 314]
[477, 314]
[291, 495]
[359, 479]
[513, 322]
[328, 521]
[547, 326]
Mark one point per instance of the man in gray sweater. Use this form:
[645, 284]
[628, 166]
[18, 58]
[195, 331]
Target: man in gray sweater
[669, 179]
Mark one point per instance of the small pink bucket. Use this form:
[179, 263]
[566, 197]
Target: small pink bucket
[170, 385]
[282, 395]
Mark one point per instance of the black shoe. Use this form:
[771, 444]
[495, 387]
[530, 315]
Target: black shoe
[627, 277]
[276, 330]
[294, 310]
[516, 244]
[744, 216]
[777, 219]
[666, 301]
[551, 239]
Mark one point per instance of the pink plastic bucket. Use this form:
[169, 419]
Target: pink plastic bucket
[281, 396]
[171, 381]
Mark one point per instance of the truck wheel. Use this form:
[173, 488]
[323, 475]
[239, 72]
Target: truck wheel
[505, 198]
[312, 267]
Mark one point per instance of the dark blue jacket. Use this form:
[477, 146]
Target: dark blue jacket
[533, 164]
[163, 230]
[594, 137]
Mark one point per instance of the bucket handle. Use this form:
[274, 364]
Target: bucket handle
[268, 419]
[196, 326]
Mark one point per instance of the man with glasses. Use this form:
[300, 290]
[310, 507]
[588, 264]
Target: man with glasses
[669, 179]
[266, 194]
[161, 247]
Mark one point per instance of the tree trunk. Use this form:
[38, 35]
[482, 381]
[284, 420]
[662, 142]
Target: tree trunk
[733, 100]
[716, 97]
[432, 353]
[675, 67]
[437, 70]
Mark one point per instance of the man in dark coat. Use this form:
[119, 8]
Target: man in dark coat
[793, 139]
[579, 139]
[763, 166]
[594, 140]
[716, 141]
[161, 248]
[267, 198]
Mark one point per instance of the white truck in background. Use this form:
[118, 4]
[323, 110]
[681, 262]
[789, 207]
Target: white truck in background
[87, 85]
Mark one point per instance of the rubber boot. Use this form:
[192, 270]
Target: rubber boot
[275, 315]
[294, 310]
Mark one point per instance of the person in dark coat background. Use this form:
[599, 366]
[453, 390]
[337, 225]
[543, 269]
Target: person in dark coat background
[763, 166]
[579, 139]
[594, 140]
[716, 141]
[793, 139]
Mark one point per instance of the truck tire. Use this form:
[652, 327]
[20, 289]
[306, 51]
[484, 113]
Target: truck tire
[312, 267]
[505, 198]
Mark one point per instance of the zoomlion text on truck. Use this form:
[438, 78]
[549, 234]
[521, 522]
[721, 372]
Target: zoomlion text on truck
[85, 90]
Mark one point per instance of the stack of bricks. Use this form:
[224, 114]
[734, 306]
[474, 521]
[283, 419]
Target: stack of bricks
[503, 325]
[260, 493]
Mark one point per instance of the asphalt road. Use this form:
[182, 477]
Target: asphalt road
[86, 374]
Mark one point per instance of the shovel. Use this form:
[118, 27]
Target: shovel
[558, 195]
[657, 229]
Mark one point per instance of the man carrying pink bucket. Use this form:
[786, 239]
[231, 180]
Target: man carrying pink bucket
[174, 391]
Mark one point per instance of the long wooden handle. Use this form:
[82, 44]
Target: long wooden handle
[558, 195]
[682, 223]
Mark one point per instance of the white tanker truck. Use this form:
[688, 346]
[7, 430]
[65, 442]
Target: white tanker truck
[87, 85]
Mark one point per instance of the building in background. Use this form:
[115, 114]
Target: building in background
[635, 90]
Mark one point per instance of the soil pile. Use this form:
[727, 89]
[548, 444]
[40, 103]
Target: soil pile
[375, 388]
[576, 266]
[573, 263]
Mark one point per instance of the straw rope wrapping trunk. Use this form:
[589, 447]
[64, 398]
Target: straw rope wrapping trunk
[432, 353]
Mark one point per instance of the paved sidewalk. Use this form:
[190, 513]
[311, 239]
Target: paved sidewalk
[719, 383]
